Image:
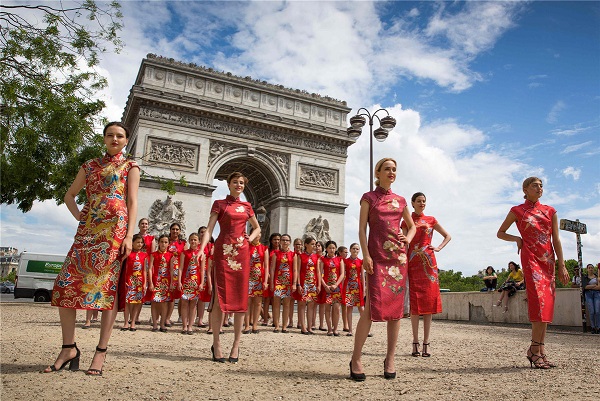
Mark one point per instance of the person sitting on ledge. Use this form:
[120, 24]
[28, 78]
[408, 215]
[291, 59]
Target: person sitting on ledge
[514, 282]
[490, 279]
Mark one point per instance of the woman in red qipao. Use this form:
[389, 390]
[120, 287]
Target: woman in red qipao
[89, 277]
[176, 246]
[538, 243]
[206, 285]
[162, 264]
[191, 281]
[353, 289]
[332, 267]
[257, 284]
[281, 281]
[135, 283]
[384, 260]
[307, 284]
[231, 268]
[149, 247]
[424, 286]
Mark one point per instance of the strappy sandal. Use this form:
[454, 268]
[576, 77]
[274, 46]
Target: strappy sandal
[536, 361]
[416, 349]
[97, 372]
[425, 354]
[73, 362]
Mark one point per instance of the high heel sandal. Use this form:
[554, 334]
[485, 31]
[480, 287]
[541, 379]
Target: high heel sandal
[416, 349]
[547, 362]
[97, 372]
[234, 360]
[388, 375]
[425, 354]
[215, 359]
[73, 362]
[536, 361]
[357, 377]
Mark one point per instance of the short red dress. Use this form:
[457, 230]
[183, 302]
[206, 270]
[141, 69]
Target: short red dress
[89, 278]
[161, 276]
[534, 222]
[282, 279]
[257, 270]
[231, 268]
[332, 269]
[205, 294]
[353, 288]
[176, 247]
[148, 241]
[190, 275]
[308, 276]
[424, 285]
[134, 277]
[387, 284]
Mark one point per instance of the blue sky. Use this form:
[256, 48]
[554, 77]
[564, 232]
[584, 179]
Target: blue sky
[485, 94]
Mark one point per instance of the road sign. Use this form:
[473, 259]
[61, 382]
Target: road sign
[573, 226]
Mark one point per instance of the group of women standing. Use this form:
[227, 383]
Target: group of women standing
[398, 248]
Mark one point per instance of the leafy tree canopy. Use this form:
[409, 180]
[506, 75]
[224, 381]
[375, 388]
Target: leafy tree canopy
[48, 89]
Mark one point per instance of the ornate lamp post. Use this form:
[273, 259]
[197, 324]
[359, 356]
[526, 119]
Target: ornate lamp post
[386, 124]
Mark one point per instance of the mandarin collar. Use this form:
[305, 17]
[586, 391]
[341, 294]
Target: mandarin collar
[115, 158]
[531, 204]
[418, 215]
[383, 191]
[232, 199]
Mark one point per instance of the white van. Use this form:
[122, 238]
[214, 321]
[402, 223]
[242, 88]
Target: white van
[36, 274]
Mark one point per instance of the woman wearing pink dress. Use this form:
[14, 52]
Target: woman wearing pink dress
[424, 286]
[385, 262]
[538, 243]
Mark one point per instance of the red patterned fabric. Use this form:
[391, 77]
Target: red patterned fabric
[231, 268]
[387, 284]
[308, 276]
[534, 222]
[353, 287]
[176, 247]
[134, 277]
[257, 270]
[90, 275]
[282, 279]
[205, 294]
[424, 285]
[332, 270]
[190, 275]
[161, 276]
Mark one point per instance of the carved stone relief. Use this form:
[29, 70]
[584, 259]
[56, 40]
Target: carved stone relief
[282, 160]
[217, 149]
[164, 213]
[172, 153]
[315, 177]
[317, 228]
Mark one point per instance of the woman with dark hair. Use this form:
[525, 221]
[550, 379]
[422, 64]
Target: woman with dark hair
[385, 262]
[538, 243]
[490, 279]
[177, 245]
[231, 268]
[591, 290]
[90, 275]
[515, 281]
[274, 245]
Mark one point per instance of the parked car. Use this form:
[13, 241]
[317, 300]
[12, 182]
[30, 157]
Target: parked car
[7, 287]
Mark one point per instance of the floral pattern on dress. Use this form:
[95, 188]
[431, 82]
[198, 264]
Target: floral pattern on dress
[283, 274]
[353, 291]
[162, 286]
[190, 275]
[257, 270]
[134, 284]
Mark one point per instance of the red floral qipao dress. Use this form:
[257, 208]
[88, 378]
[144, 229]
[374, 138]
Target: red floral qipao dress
[534, 222]
[90, 275]
[424, 286]
[190, 274]
[387, 284]
[205, 294]
[231, 267]
[308, 276]
[147, 247]
[161, 274]
[332, 269]
[257, 270]
[176, 247]
[353, 287]
[283, 274]
[134, 277]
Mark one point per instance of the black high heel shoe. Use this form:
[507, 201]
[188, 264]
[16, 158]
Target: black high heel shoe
[215, 359]
[416, 349]
[234, 360]
[357, 377]
[97, 372]
[536, 361]
[388, 375]
[73, 362]
[425, 354]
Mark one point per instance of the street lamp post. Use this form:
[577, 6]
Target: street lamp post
[358, 121]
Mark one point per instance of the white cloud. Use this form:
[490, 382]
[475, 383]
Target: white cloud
[571, 172]
[555, 111]
[575, 148]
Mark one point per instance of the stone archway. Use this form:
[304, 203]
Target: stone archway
[201, 124]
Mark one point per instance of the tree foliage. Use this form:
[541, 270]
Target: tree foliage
[48, 89]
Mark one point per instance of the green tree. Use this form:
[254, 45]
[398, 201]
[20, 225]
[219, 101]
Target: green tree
[48, 88]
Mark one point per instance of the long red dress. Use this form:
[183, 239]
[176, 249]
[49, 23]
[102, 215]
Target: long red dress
[161, 276]
[387, 284]
[282, 280]
[190, 274]
[353, 286]
[148, 241]
[534, 222]
[176, 247]
[257, 270]
[205, 294]
[332, 269]
[424, 285]
[231, 267]
[89, 277]
[134, 277]
[308, 276]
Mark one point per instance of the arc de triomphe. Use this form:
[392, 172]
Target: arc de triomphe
[203, 124]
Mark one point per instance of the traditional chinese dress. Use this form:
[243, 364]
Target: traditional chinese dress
[353, 287]
[231, 267]
[190, 275]
[205, 294]
[161, 276]
[147, 247]
[134, 277]
[387, 283]
[308, 273]
[89, 277]
[534, 222]
[176, 247]
[282, 280]
[257, 270]
[424, 286]
[332, 269]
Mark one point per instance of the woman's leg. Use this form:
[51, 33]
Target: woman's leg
[106, 325]
[185, 315]
[426, 327]
[257, 301]
[216, 319]
[322, 308]
[335, 317]
[349, 309]
[328, 318]
[310, 315]
[238, 322]
[67, 325]
[163, 310]
[126, 315]
[276, 312]
[136, 310]
[155, 312]
[286, 312]
[170, 308]
[344, 318]
[301, 315]
[362, 331]
[393, 328]
[290, 321]
[200, 311]
[88, 318]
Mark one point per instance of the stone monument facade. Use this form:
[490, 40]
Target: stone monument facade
[203, 124]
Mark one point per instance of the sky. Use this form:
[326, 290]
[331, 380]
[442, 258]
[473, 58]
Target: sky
[485, 94]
